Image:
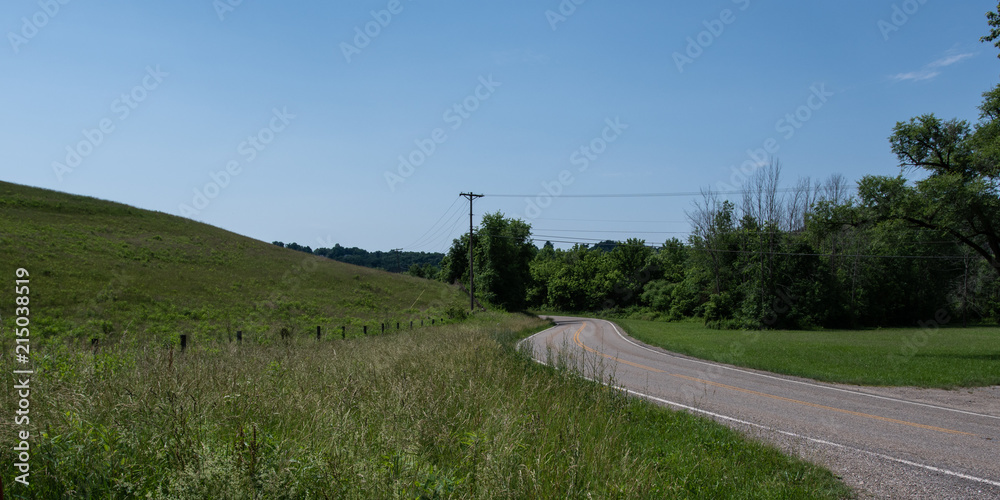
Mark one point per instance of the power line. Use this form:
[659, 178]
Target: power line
[619, 220]
[611, 231]
[641, 195]
[421, 238]
[448, 235]
[721, 250]
[444, 233]
[445, 238]
[857, 255]
[443, 230]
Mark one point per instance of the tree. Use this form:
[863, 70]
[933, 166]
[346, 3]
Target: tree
[665, 292]
[993, 19]
[712, 237]
[502, 254]
[544, 268]
[426, 271]
[505, 256]
[960, 194]
[455, 265]
[630, 259]
[585, 281]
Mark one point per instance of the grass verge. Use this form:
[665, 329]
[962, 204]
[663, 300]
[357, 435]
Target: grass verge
[920, 357]
[444, 412]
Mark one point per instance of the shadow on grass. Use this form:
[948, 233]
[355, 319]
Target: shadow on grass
[974, 357]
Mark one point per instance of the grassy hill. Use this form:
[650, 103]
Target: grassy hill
[107, 270]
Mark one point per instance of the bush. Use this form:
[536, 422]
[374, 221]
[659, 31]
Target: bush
[456, 313]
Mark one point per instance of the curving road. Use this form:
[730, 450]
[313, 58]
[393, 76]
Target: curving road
[882, 446]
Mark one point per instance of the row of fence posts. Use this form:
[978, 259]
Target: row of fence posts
[94, 343]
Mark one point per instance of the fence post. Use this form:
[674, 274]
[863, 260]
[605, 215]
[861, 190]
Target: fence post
[383, 328]
[318, 333]
[411, 324]
[184, 342]
[239, 336]
[365, 329]
[397, 325]
[343, 332]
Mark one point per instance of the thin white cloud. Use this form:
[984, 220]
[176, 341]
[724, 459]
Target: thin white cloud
[930, 70]
[949, 60]
[916, 76]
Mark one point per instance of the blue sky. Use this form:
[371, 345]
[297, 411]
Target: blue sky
[150, 103]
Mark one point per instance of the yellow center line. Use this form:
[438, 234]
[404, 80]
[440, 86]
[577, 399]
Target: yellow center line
[577, 341]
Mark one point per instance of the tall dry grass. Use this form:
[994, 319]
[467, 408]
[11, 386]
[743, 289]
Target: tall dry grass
[447, 412]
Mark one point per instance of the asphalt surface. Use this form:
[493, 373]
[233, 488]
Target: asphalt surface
[884, 447]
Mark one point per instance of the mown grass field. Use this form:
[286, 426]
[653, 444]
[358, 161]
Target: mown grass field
[443, 412]
[921, 357]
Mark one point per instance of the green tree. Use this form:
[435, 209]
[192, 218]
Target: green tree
[585, 281]
[631, 259]
[959, 196]
[961, 193]
[993, 19]
[503, 257]
[666, 292]
[455, 265]
[544, 267]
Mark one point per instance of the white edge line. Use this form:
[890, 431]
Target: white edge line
[859, 393]
[764, 427]
[815, 440]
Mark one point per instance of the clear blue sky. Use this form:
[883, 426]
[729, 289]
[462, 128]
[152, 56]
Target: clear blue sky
[180, 87]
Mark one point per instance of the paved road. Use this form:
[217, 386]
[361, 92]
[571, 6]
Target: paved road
[884, 447]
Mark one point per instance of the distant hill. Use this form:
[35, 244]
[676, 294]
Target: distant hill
[104, 269]
[392, 261]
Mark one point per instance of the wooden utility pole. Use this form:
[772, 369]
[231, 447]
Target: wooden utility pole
[965, 293]
[472, 286]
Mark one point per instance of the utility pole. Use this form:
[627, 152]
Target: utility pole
[397, 251]
[965, 293]
[472, 286]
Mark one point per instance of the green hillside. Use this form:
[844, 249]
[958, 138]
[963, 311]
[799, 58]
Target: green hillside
[107, 270]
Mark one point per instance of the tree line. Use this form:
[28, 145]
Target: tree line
[817, 256]
[420, 264]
